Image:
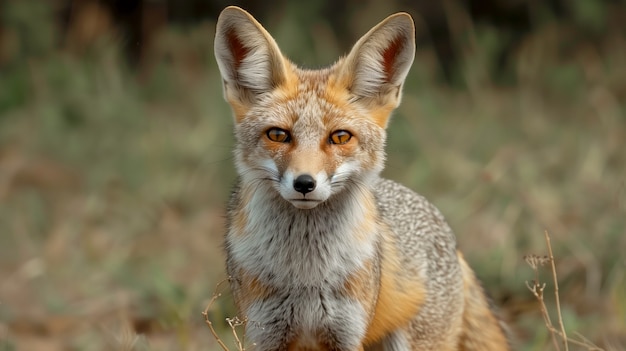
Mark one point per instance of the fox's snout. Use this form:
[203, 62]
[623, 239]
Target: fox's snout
[304, 190]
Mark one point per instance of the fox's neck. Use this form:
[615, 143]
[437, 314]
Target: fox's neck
[282, 243]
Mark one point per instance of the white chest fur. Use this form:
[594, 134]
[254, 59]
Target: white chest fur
[285, 246]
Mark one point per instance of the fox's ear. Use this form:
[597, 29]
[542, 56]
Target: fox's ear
[249, 60]
[375, 69]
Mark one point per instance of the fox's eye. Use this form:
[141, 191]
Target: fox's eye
[278, 135]
[339, 137]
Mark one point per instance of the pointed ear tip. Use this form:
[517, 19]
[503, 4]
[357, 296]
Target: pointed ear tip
[403, 18]
[232, 9]
[404, 15]
[231, 13]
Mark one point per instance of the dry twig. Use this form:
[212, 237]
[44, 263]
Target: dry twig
[537, 288]
[205, 313]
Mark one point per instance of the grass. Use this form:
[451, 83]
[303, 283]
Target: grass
[538, 288]
[113, 182]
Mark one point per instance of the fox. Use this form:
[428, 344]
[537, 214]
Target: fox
[322, 253]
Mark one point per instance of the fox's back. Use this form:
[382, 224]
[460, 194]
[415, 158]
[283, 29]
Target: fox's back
[422, 232]
[427, 249]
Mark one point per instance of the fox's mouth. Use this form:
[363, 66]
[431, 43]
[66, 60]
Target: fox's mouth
[305, 204]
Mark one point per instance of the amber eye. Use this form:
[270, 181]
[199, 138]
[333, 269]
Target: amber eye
[278, 135]
[340, 137]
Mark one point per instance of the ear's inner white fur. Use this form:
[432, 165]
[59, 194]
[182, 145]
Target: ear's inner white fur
[249, 60]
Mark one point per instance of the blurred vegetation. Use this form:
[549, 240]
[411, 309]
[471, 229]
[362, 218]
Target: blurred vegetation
[114, 171]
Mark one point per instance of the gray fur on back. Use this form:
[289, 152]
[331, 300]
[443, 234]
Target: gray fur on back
[428, 251]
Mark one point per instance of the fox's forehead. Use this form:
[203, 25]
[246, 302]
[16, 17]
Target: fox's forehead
[302, 84]
[313, 80]
[307, 96]
[310, 96]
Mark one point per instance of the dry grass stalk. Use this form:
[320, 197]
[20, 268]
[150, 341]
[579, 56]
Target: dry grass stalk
[232, 322]
[556, 291]
[537, 288]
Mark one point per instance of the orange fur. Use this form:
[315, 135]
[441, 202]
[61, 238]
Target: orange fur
[399, 298]
[252, 289]
[381, 115]
[478, 313]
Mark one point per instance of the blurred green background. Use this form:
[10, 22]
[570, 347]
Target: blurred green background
[115, 161]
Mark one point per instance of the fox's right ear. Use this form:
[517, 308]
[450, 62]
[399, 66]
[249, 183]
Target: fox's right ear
[249, 60]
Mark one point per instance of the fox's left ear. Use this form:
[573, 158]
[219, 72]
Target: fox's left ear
[375, 69]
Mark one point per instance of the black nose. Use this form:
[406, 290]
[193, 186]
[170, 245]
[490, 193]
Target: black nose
[304, 184]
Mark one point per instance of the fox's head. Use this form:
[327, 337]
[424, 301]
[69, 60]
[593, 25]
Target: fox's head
[309, 134]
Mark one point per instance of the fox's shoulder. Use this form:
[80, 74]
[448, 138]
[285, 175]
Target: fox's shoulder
[416, 222]
[398, 200]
